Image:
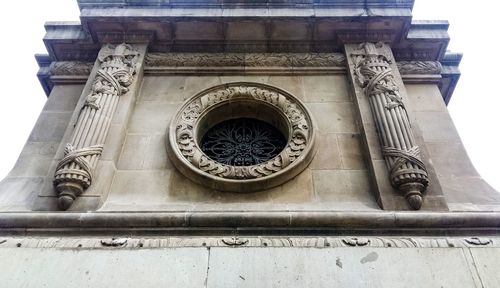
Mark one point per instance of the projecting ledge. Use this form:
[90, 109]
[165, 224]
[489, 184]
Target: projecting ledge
[255, 222]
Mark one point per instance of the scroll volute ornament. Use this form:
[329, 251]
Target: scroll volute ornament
[374, 74]
[74, 173]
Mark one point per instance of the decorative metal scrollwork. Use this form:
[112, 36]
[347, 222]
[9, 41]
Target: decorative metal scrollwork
[242, 142]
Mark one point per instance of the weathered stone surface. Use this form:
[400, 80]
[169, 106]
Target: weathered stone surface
[63, 98]
[297, 190]
[18, 193]
[351, 151]
[264, 79]
[328, 155]
[196, 84]
[184, 190]
[334, 117]
[140, 188]
[486, 262]
[437, 127]
[325, 88]
[34, 160]
[389, 199]
[151, 117]
[100, 188]
[223, 267]
[144, 152]
[342, 186]
[114, 142]
[187, 267]
[293, 85]
[360, 267]
[425, 97]
[469, 190]
[450, 159]
[163, 88]
[50, 127]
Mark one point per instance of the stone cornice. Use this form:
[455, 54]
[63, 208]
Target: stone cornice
[407, 4]
[63, 72]
[217, 26]
[273, 30]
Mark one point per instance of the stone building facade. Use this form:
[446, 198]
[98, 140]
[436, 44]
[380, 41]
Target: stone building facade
[247, 143]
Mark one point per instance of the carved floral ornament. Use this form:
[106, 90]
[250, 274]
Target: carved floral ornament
[241, 100]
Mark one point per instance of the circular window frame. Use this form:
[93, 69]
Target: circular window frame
[184, 133]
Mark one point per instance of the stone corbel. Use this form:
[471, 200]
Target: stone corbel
[74, 173]
[371, 71]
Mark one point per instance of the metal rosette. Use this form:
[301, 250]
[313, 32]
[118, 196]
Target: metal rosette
[233, 101]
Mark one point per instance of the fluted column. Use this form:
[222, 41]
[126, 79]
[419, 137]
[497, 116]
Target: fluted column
[373, 73]
[74, 173]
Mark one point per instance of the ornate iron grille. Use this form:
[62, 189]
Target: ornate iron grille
[242, 142]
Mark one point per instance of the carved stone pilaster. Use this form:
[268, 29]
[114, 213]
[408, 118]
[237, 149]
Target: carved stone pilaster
[74, 173]
[373, 73]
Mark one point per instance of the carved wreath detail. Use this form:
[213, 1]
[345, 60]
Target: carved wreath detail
[297, 119]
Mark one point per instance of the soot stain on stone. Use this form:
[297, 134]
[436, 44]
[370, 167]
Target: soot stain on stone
[338, 263]
[371, 257]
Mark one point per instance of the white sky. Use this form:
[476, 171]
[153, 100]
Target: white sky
[474, 106]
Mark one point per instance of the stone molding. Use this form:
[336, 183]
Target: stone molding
[250, 241]
[71, 68]
[186, 155]
[419, 67]
[89, 4]
[373, 73]
[245, 60]
[74, 173]
[295, 222]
